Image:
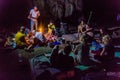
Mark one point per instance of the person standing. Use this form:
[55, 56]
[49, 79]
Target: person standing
[81, 28]
[33, 16]
[51, 28]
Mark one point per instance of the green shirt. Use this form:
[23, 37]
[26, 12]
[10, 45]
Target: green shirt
[51, 28]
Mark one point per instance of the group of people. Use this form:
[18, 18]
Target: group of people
[99, 46]
[92, 49]
[31, 38]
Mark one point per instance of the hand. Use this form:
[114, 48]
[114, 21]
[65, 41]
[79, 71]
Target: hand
[29, 17]
[100, 54]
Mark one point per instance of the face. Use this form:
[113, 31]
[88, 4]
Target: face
[51, 23]
[106, 39]
[35, 8]
[82, 22]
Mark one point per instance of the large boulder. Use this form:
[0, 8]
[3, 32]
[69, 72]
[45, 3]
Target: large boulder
[70, 37]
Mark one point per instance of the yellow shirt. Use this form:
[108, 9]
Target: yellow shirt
[18, 37]
[51, 28]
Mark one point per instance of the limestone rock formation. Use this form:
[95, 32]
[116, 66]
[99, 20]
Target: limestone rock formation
[59, 8]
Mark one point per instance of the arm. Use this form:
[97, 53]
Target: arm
[38, 15]
[102, 52]
[88, 30]
[6, 43]
[78, 29]
[54, 28]
[29, 16]
[76, 50]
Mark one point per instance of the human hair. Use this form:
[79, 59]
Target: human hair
[22, 29]
[51, 21]
[106, 39]
[35, 6]
[104, 30]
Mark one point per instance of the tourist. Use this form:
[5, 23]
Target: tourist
[107, 53]
[89, 34]
[38, 39]
[80, 28]
[82, 51]
[10, 43]
[33, 16]
[20, 38]
[54, 55]
[63, 44]
[64, 61]
[51, 28]
[62, 29]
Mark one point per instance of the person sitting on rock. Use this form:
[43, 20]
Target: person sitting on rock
[20, 38]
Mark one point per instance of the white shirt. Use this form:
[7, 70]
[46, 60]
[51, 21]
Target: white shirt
[34, 14]
[39, 36]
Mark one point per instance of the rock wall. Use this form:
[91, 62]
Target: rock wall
[59, 8]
